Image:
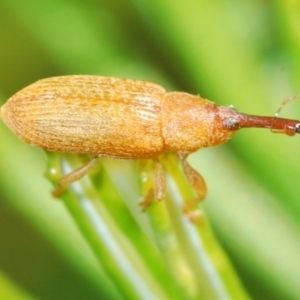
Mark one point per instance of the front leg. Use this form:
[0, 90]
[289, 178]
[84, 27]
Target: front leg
[197, 182]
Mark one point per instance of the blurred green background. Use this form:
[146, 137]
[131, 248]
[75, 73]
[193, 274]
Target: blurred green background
[241, 53]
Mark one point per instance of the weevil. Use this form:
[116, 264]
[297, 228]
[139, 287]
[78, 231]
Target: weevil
[125, 119]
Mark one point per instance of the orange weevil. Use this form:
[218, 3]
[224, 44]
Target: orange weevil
[127, 119]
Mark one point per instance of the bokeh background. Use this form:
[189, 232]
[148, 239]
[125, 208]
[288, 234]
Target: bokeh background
[240, 53]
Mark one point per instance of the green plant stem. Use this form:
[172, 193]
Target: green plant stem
[177, 260]
[114, 252]
[191, 249]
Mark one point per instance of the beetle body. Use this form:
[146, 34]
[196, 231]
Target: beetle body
[123, 118]
[112, 117]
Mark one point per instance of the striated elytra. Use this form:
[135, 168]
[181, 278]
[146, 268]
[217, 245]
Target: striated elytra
[113, 117]
[123, 118]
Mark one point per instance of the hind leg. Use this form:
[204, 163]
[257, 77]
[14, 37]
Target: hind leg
[197, 182]
[72, 177]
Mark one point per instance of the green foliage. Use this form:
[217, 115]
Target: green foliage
[231, 52]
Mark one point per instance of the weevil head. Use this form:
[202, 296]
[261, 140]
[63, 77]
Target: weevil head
[226, 121]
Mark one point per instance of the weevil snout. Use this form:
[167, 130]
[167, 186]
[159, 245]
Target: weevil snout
[275, 124]
[297, 128]
[291, 128]
[231, 123]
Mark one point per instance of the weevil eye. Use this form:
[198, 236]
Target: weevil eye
[297, 128]
[232, 123]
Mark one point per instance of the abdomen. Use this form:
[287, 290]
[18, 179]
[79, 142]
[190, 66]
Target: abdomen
[89, 114]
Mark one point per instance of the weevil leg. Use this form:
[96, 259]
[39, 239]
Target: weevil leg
[159, 191]
[147, 201]
[159, 181]
[197, 182]
[194, 179]
[73, 176]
